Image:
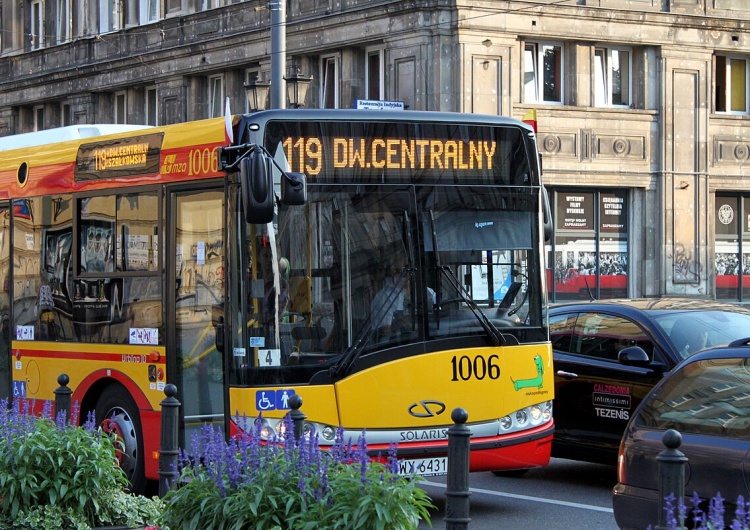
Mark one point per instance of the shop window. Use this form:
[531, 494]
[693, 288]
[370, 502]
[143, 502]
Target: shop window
[589, 253]
[542, 72]
[612, 81]
[732, 252]
[731, 82]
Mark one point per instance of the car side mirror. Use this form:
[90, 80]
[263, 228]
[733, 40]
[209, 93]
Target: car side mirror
[633, 356]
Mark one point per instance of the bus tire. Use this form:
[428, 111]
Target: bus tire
[116, 412]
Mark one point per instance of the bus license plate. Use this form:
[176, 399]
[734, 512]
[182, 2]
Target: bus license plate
[424, 467]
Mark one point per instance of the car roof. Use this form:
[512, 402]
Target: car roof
[654, 304]
[737, 350]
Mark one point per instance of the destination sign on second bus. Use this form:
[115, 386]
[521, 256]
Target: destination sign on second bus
[309, 154]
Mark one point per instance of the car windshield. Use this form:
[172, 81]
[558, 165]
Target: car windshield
[692, 331]
[705, 397]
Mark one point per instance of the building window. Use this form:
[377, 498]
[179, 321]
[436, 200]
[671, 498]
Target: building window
[732, 84]
[149, 10]
[121, 107]
[215, 96]
[374, 75]
[39, 117]
[210, 4]
[329, 76]
[37, 24]
[109, 16]
[542, 73]
[589, 251]
[612, 81]
[63, 21]
[66, 114]
[152, 114]
[732, 253]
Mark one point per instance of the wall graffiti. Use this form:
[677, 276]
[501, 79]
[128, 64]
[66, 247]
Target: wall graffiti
[687, 269]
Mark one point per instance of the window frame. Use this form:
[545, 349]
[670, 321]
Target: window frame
[603, 76]
[370, 53]
[121, 107]
[36, 27]
[38, 117]
[145, 8]
[215, 108]
[537, 48]
[110, 16]
[724, 86]
[149, 92]
[329, 96]
[63, 25]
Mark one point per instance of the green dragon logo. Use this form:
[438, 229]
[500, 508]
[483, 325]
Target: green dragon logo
[533, 382]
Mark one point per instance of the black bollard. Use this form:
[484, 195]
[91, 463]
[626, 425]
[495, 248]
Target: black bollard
[457, 492]
[671, 474]
[62, 396]
[298, 417]
[169, 451]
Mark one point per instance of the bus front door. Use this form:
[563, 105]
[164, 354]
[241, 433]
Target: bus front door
[5, 358]
[197, 233]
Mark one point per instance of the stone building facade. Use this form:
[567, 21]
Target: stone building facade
[642, 106]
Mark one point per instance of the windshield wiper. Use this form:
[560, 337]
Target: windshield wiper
[372, 323]
[497, 338]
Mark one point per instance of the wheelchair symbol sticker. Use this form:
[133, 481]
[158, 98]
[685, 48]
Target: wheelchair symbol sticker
[270, 400]
[263, 402]
[19, 389]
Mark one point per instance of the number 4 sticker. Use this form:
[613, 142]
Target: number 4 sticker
[269, 357]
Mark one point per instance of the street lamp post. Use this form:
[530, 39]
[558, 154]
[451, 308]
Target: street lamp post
[297, 86]
[278, 52]
[257, 95]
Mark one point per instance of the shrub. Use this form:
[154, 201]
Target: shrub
[714, 519]
[57, 475]
[286, 484]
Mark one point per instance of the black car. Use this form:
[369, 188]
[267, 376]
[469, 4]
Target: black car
[706, 399]
[608, 354]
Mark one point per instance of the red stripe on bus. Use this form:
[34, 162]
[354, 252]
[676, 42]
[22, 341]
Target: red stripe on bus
[84, 356]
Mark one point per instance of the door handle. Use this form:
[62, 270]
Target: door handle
[566, 375]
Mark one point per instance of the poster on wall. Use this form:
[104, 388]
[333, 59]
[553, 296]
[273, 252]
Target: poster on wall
[613, 213]
[575, 211]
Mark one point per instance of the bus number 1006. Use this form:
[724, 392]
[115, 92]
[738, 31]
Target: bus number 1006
[465, 368]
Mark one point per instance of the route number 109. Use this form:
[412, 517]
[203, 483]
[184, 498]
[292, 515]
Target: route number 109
[465, 368]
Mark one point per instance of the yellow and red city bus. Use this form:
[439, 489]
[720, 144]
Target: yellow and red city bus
[385, 266]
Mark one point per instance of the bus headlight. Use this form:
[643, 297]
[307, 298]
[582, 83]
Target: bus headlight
[526, 418]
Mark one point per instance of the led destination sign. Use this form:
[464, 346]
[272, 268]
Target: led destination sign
[307, 155]
[121, 157]
[374, 151]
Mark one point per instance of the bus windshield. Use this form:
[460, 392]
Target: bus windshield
[439, 247]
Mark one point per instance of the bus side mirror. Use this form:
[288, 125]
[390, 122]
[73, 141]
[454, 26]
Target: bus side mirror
[547, 215]
[293, 189]
[256, 185]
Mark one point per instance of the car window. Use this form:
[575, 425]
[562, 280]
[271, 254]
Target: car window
[604, 336]
[561, 329]
[692, 331]
[705, 397]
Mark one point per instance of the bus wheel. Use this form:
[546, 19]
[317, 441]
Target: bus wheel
[117, 413]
